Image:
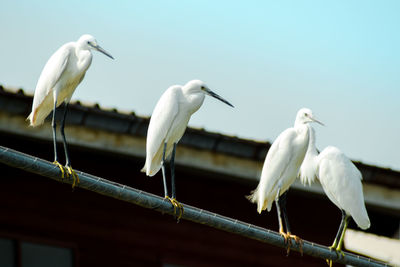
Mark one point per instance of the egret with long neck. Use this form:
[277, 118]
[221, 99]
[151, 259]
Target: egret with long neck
[167, 126]
[280, 170]
[62, 73]
[341, 181]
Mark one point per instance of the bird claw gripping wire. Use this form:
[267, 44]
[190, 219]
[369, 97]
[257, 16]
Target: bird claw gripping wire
[176, 205]
[61, 167]
[72, 173]
[339, 254]
[298, 241]
[288, 241]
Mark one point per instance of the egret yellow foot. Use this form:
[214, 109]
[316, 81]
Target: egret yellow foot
[176, 205]
[61, 167]
[298, 241]
[288, 236]
[338, 251]
[72, 173]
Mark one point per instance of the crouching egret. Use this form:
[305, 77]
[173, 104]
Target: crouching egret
[167, 125]
[280, 170]
[341, 181]
[60, 76]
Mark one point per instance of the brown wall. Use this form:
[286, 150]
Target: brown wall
[107, 232]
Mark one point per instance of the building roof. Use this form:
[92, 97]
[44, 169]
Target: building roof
[15, 101]
[229, 155]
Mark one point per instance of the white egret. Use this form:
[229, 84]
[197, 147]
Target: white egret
[280, 170]
[60, 76]
[341, 181]
[167, 125]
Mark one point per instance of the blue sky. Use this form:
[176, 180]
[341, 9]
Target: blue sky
[268, 58]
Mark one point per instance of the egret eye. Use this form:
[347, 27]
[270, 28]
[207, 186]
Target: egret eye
[306, 114]
[202, 88]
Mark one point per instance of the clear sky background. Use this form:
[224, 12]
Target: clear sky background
[268, 58]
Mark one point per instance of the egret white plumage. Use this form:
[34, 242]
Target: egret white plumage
[280, 170]
[60, 76]
[341, 181]
[168, 124]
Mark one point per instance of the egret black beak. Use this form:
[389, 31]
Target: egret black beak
[100, 49]
[211, 93]
[317, 121]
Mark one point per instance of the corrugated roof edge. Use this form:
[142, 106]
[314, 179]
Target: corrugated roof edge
[110, 119]
[94, 116]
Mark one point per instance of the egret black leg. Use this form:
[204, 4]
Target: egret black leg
[346, 223]
[278, 210]
[70, 171]
[68, 162]
[54, 126]
[282, 203]
[337, 244]
[340, 230]
[163, 172]
[173, 199]
[172, 164]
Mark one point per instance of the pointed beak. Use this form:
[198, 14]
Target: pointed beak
[211, 93]
[100, 49]
[317, 121]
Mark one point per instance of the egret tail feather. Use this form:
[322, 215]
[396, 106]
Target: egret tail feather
[261, 204]
[362, 221]
[150, 171]
[252, 197]
[32, 119]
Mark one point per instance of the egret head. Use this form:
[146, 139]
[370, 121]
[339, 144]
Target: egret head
[89, 42]
[304, 116]
[197, 86]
